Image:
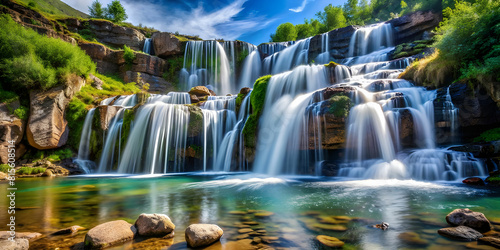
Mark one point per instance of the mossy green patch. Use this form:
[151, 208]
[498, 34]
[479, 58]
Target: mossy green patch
[489, 135]
[30, 170]
[128, 118]
[4, 168]
[60, 154]
[339, 106]
[171, 74]
[331, 64]
[22, 112]
[195, 126]
[257, 100]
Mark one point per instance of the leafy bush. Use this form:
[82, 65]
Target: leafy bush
[489, 135]
[22, 112]
[30, 60]
[128, 55]
[340, 106]
[30, 170]
[4, 168]
[60, 154]
[7, 96]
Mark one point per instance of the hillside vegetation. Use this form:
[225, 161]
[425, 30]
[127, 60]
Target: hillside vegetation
[52, 7]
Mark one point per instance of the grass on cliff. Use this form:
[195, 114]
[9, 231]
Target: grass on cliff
[88, 97]
[29, 60]
[51, 7]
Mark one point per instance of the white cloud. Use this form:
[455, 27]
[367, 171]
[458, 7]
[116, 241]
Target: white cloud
[220, 23]
[301, 7]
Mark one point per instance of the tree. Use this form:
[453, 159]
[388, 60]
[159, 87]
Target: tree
[332, 18]
[115, 12]
[284, 32]
[96, 10]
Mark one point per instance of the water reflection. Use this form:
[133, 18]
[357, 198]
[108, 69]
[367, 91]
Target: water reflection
[298, 206]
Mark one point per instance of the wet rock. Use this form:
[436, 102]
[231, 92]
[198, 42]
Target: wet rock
[242, 236]
[154, 225]
[245, 91]
[251, 223]
[384, 226]
[328, 227]
[48, 173]
[30, 236]
[256, 240]
[329, 241]
[198, 235]
[109, 234]
[166, 44]
[237, 212]
[412, 238]
[474, 181]
[199, 91]
[491, 241]
[460, 233]
[476, 245]
[264, 214]
[269, 239]
[466, 217]
[245, 230]
[17, 244]
[69, 230]
[106, 115]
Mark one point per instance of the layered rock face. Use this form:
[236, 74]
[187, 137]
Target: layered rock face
[11, 129]
[47, 127]
[108, 33]
[166, 44]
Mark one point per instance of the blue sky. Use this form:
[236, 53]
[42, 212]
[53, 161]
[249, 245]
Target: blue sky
[247, 20]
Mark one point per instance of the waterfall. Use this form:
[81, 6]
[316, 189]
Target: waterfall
[233, 140]
[370, 38]
[271, 48]
[252, 67]
[83, 149]
[112, 144]
[171, 98]
[288, 58]
[147, 46]
[219, 118]
[207, 63]
[324, 56]
[157, 141]
[450, 112]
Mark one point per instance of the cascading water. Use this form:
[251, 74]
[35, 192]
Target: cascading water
[288, 58]
[324, 56]
[271, 48]
[112, 144]
[147, 46]
[371, 38]
[207, 63]
[252, 67]
[232, 141]
[171, 98]
[83, 150]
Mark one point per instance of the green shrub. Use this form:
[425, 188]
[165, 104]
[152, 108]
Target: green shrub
[30, 170]
[22, 112]
[489, 135]
[60, 155]
[34, 61]
[128, 55]
[7, 96]
[340, 106]
[4, 168]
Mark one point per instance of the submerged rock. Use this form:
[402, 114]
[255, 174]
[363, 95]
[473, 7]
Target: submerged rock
[154, 225]
[475, 181]
[384, 226]
[17, 244]
[69, 230]
[198, 235]
[460, 233]
[466, 217]
[413, 238]
[329, 241]
[492, 241]
[109, 234]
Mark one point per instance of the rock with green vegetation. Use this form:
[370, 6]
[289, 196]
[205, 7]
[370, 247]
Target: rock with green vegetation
[195, 126]
[200, 91]
[469, 218]
[339, 106]
[241, 96]
[166, 44]
[257, 100]
[47, 126]
[489, 135]
[13, 127]
[410, 49]
[109, 234]
[128, 55]
[493, 179]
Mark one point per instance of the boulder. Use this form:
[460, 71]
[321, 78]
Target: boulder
[166, 44]
[466, 217]
[245, 91]
[198, 235]
[109, 234]
[460, 233]
[108, 61]
[154, 225]
[474, 181]
[11, 128]
[47, 127]
[30, 236]
[106, 115]
[200, 91]
[17, 244]
[415, 26]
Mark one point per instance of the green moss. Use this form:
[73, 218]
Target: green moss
[331, 64]
[489, 135]
[75, 115]
[241, 57]
[181, 38]
[239, 100]
[257, 100]
[340, 105]
[7, 96]
[171, 74]
[60, 155]
[22, 112]
[4, 168]
[195, 126]
[128, 117]
[30, 170]
[128, 55]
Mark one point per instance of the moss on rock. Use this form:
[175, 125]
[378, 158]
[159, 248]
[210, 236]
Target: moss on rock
[410, 49]
[339, 106]
[195, 125]
[331, 64]
[257, 100]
